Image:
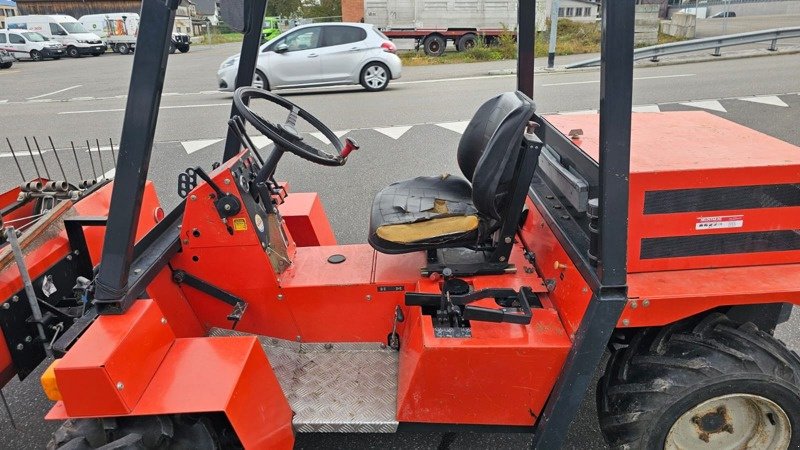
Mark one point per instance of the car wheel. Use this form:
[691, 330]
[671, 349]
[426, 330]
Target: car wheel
[122, 49]
[375, 77]
[73, 52]
[701, 383]
[434, 45]
[260, 80]
[466, 42]
[6, 65]
[183, 48]
[172, 48]
[36, 55]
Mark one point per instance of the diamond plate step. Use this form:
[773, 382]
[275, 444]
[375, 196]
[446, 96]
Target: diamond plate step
[334, 388]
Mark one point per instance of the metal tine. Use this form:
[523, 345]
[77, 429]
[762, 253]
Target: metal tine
[77, 163]
[16, 161]
[60, 166]
[42, 158]
[113, 154]
[91, 160]
[30, 152]
[100, 155]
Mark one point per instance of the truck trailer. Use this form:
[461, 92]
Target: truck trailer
[432, 23]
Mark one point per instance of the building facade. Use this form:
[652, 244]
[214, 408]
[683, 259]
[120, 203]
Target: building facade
[7, 9]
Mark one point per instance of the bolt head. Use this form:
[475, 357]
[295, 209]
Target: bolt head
[502, 258]
[625, 322]
[6, 306]
[227, 207]
[69, 257]
[28, 339]
[280, 297]
[137, 271]
[15, 298]
[368, 298]
[120, 386]
[646, 303]
[193, 197]
[20, 346]
[298, 338]
[163, 321]
[227, 181]
[185, 241]
[507, 240]
[634, 305]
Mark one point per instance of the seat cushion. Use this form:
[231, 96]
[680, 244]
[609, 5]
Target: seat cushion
[422, 213]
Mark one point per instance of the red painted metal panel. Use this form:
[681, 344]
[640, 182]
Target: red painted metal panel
[306, 220]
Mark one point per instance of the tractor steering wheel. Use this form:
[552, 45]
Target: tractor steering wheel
[285, 135]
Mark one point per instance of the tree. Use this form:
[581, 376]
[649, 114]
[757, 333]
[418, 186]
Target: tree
[323, 8]
[283, 8]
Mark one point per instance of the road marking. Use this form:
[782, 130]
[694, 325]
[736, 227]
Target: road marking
[393, 132]
[3, 101]
[193, 146]
[657, 77]
[55, 92]
[458, 127]
[322, 137]
[712, 105]
[94, 111]
[646, 108]
[109, 174]
[261, 141]
[766, 100]
[442, 80]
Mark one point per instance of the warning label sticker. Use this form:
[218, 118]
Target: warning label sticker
[717, 222]
[239, 224]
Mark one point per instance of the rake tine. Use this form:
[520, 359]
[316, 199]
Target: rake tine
[57, 158]
[91, 160]
[77, 163]
[113, 154]
[42, 158]
[30, 152]
[16, 161]
[100, 155]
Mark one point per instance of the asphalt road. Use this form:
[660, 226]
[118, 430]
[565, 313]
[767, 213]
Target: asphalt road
[431, 103]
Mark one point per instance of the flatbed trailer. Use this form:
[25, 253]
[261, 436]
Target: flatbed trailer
[434, 40]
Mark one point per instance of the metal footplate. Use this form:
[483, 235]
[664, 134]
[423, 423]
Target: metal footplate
[336, 387]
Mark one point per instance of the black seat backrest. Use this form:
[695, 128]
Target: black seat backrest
[489, 150]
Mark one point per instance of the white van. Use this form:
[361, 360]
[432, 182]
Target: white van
[119, 30]
[64, 29]
[24, 44]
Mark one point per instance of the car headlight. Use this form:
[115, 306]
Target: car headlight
[228, 63]
[81, 41]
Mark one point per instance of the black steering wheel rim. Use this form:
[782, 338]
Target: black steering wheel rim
[284, 135]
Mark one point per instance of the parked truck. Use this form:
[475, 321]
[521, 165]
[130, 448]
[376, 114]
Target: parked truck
[432, 23]
[118, 29]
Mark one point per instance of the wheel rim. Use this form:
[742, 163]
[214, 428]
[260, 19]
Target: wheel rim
[36, 56]
[736, 421]
[434, 46]
[469, 43]
[258, 82]
[375, 77]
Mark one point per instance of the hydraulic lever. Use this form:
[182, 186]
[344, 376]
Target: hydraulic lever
[226, 203]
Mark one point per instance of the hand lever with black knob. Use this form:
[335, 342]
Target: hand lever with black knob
[227, 204]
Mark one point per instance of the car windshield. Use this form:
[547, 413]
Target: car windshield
[73, 27]
[34, 37]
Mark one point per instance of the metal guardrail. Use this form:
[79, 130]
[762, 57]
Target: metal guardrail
[694, 45]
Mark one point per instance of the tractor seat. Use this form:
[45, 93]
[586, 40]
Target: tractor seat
[450, 211]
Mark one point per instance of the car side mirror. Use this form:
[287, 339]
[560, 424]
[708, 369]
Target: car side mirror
[281, 48]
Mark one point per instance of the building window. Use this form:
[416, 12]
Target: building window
[578, 12]
[570, 12]
[587, 12]
[560, 12]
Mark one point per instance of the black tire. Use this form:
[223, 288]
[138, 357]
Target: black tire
[6, 65]
[466, 42]
[148, 432]
[375, 77]
[434, 45]
[73, 52]
[36, 55]
[56, 58]
[172, 48]
[259, 75]
[652, 383]
[183, 48]
[122, 48]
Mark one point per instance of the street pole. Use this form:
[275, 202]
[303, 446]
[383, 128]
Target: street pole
[725, 17]
[551, 48]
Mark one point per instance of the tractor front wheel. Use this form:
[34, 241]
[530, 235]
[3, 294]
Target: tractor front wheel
[147, 432]
[702, 383]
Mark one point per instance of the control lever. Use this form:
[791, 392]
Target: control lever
[349, 146]
[394, 338]
[226, 203]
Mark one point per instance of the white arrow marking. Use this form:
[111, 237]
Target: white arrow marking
[261, 141]
[766, 100]
[393, 132]
[458, 127]
[712, 105]
[646, 108]
[193, 146]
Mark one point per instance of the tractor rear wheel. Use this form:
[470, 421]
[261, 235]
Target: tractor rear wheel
[702, 383]
[148, 432]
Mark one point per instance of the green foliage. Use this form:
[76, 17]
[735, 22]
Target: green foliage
[325, 8]
[284, 8]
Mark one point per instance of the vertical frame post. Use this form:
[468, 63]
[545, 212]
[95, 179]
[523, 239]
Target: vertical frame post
[248, 58]
[526, 37]
[608, 301]
[136, 145]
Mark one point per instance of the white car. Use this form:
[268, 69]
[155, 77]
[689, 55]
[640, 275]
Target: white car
[24, 44]
[321, 54]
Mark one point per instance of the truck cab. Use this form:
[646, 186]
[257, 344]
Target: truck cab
[270, 29]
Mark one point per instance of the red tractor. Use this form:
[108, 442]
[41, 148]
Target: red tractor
[483, 300]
